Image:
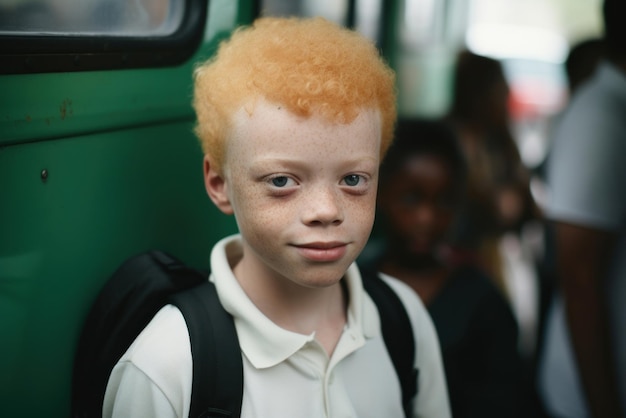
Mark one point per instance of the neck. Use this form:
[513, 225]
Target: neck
[297, 308]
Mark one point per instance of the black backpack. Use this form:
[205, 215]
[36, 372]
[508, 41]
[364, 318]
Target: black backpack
[143, 284]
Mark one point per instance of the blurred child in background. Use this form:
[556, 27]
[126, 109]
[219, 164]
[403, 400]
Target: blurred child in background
[421, 186]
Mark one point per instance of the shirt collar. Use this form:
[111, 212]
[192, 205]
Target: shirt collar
[263, 342]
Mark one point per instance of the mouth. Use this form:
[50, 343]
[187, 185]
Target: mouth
[322, 251]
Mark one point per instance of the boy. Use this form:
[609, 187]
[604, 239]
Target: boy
[293, 116]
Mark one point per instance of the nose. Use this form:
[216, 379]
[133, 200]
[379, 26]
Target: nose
[323, 207]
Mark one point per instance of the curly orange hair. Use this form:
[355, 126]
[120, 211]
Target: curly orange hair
[311, 66]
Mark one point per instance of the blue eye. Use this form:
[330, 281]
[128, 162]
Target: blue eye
[352, 179]
[280, 181]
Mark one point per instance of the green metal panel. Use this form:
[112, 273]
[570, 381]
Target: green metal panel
[106, 196]
[48, 106]
[123, 175]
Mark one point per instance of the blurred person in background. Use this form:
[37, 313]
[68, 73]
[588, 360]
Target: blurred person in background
[583, 368]
[422, 185]
[582, 61]
[499, 198]
[580, 64]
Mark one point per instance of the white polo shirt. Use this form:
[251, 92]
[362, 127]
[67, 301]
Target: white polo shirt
[285, 374]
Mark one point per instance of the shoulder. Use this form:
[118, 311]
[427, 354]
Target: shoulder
[426, 339]
[595, 113]
[167, 332]
[412, 303]
[606, 91]
[432, 395]
[476, 288]
[158, 362]
[470, 302]
[589, 149]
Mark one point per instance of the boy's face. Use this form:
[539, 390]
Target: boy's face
[303, 192]
[418, 203]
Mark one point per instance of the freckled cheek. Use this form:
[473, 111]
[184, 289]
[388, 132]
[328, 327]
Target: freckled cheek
[271, 217]
[254, 209]
[363, 211]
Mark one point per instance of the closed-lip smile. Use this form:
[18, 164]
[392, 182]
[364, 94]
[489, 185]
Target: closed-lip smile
[322, 251]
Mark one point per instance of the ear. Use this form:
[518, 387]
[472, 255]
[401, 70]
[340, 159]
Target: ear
[215, 185]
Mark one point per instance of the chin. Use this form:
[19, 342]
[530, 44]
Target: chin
[322, 277]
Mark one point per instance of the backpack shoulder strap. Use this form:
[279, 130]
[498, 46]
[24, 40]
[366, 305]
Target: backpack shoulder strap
[397, 333]
[123, 307]
[217, 388]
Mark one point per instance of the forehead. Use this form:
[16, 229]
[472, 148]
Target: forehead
[423, 165]
[272, 127]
